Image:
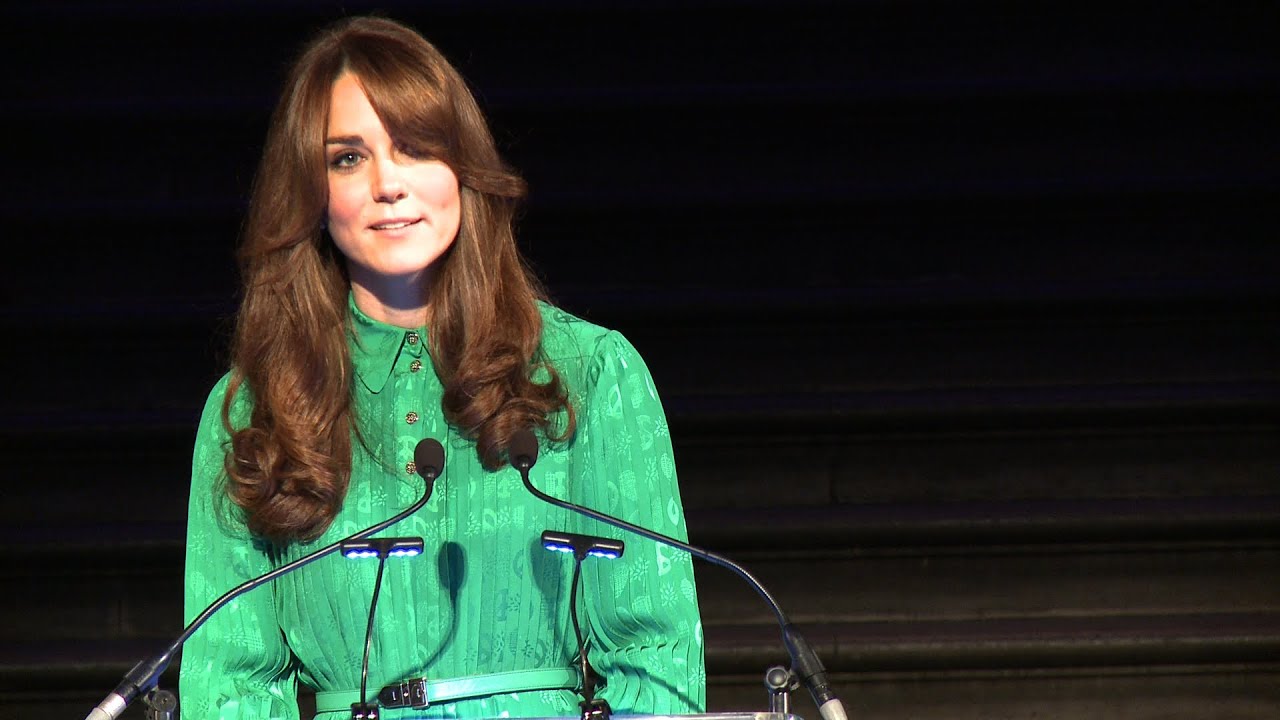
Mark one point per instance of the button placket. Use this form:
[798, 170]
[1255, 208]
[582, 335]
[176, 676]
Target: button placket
[407, 390]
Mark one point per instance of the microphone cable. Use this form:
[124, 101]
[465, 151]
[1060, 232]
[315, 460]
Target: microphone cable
[522, 452]
[429, 456]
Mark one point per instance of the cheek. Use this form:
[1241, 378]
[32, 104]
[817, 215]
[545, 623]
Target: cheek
[344, 205]
[440, 189]
[343, 218]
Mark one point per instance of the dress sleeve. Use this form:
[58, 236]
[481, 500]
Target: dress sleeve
[237, 665]
[642, 609]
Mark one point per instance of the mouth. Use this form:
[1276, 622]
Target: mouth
[396, 224]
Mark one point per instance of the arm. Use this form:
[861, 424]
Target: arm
[237, 666]
[643, 609]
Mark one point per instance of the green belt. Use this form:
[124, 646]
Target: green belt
[421, 692]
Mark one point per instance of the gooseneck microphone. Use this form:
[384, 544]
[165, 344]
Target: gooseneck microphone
[523, 454]
[428, 456]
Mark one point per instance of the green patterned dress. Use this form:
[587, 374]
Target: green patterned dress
[484, 597]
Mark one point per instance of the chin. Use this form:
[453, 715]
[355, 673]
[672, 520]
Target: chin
[406, 267]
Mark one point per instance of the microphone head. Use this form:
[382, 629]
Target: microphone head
[523, 449]
[428, 458]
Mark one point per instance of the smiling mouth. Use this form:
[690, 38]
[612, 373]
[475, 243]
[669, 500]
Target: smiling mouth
[394, 225]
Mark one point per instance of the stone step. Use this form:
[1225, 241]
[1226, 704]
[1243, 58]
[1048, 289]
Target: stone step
[1012, 644]
[966, 583]
[1195, 692]
[1026, 570]
[1239, 692]
[1136, 658]
[112, 475]
[876, 490]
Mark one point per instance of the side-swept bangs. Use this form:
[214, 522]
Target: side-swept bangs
[410, 92]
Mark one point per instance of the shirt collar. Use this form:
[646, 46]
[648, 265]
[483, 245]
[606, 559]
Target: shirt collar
[376, 346]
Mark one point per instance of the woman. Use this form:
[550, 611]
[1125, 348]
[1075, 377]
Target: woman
[385, 302]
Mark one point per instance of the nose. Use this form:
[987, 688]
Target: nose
[388, 185]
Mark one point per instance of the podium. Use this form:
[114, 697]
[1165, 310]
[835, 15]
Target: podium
[741, 715]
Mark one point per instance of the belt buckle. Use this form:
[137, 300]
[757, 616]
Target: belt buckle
[407, 693]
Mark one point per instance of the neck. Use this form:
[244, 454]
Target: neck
[394, 301]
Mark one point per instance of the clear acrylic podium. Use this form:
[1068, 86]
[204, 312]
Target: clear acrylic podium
[739, 715]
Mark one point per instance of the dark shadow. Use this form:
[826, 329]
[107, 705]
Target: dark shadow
[451, 568]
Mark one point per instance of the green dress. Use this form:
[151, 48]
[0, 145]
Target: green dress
[484, 597]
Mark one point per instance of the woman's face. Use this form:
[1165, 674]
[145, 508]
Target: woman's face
[393, 215]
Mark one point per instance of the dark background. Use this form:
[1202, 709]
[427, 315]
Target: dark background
[964, 314]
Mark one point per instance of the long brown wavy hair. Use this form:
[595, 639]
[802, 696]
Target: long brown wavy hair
[290, 467]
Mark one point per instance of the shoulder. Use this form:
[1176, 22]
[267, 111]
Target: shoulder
[566, 336]
[587, 354]
[568, 339]
[241, 405]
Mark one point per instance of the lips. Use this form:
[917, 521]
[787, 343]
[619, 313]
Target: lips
[395, 224]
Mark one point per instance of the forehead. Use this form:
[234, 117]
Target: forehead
[349, 108]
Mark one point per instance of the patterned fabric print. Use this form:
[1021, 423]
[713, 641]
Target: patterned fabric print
[484, 596]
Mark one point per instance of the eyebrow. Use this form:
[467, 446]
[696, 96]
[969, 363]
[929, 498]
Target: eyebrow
[345, 140]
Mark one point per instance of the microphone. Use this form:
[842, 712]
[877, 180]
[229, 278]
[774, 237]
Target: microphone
[522, 451]
[428, 458]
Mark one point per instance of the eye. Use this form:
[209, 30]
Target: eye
[344, 159]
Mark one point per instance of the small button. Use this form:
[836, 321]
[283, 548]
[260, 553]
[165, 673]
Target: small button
[410, 467]
[415, 366]
[412, 338]
[411, 417]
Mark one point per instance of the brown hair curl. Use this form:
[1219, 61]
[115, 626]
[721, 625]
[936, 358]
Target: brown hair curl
[290, 467]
